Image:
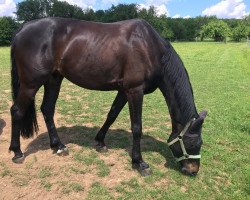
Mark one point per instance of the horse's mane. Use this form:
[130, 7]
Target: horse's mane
[177, 81]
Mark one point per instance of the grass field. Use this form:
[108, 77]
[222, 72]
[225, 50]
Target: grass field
[220, 76]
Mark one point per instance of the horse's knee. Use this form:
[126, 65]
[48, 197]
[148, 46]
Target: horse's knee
[16, 113]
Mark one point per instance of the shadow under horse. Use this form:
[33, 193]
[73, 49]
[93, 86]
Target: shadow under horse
[127, 56]
[118, 139]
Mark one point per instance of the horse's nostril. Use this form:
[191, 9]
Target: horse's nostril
[186, 172]
[193, 174]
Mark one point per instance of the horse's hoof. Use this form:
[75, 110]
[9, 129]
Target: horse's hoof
[63, 152]
[143, 168]
[18, 159]
[146, 172]
[101, 149]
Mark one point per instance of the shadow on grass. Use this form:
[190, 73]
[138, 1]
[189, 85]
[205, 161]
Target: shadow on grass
[115, 139]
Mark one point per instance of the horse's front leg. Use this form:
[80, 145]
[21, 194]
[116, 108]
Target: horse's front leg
[51, 92]
[115, 109]
[135, 99]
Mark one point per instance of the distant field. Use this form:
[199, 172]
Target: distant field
[220, 76]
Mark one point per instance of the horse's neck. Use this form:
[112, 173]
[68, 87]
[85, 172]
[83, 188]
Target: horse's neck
[177, 91]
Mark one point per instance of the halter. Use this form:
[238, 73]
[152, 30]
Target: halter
[179, 138]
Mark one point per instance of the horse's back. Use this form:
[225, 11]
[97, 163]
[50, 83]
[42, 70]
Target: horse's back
[93, 55]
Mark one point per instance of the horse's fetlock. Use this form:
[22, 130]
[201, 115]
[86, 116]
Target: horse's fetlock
[136, 155]
[14, 148]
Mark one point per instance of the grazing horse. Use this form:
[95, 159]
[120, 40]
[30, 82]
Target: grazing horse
[127, 56]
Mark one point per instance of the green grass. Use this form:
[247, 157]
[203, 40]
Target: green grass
[69, 187]
[91, 158]
[45, 172]
[4, 171]
[46, 185]
[220, 76]
[72, 187]
[98, 191]
[4, 79]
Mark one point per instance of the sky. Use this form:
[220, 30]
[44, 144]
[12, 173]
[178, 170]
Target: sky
[170, 8]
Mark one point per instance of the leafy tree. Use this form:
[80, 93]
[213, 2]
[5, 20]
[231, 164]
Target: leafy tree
[202, 20]
[121, 12]
[149, 15]
[100, 16]
[232, 23]
[89, 15]
[191, 29]
[246, 21]
[179, 29]
[167, 33]
[160, 23]
[216, 29]
[64, 9]
[240, 32]
[7, 28]
[169, 28]
[33, 9]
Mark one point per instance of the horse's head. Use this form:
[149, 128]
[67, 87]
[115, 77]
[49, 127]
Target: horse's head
[186, 145]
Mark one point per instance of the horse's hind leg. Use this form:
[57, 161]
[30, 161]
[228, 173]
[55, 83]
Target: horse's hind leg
[22, 116]
[51, 92]
[115, 109]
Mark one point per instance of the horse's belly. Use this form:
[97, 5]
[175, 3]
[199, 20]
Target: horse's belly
[93, 77]
[95, 85]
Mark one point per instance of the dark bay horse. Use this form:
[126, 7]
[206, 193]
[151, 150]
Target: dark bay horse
[127, 56]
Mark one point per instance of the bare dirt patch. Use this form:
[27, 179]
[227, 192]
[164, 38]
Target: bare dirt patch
[44, 175]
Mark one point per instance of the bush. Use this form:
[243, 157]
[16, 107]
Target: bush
[216, 29]
[239, 32]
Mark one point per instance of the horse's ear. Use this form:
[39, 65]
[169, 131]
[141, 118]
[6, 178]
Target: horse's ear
[197, 124]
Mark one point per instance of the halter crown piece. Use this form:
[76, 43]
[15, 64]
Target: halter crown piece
[179, 138]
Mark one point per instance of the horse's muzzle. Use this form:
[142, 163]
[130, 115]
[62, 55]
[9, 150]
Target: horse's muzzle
[190, 167]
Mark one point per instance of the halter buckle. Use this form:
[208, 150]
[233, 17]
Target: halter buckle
[186, 156]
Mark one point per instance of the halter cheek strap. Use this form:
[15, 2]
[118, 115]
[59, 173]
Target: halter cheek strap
[179, 138]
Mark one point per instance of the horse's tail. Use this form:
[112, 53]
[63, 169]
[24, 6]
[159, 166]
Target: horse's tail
[28, 122]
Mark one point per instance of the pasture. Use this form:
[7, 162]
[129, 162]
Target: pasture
[220, 76]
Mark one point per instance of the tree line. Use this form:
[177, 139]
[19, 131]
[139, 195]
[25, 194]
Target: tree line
[174, 29]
